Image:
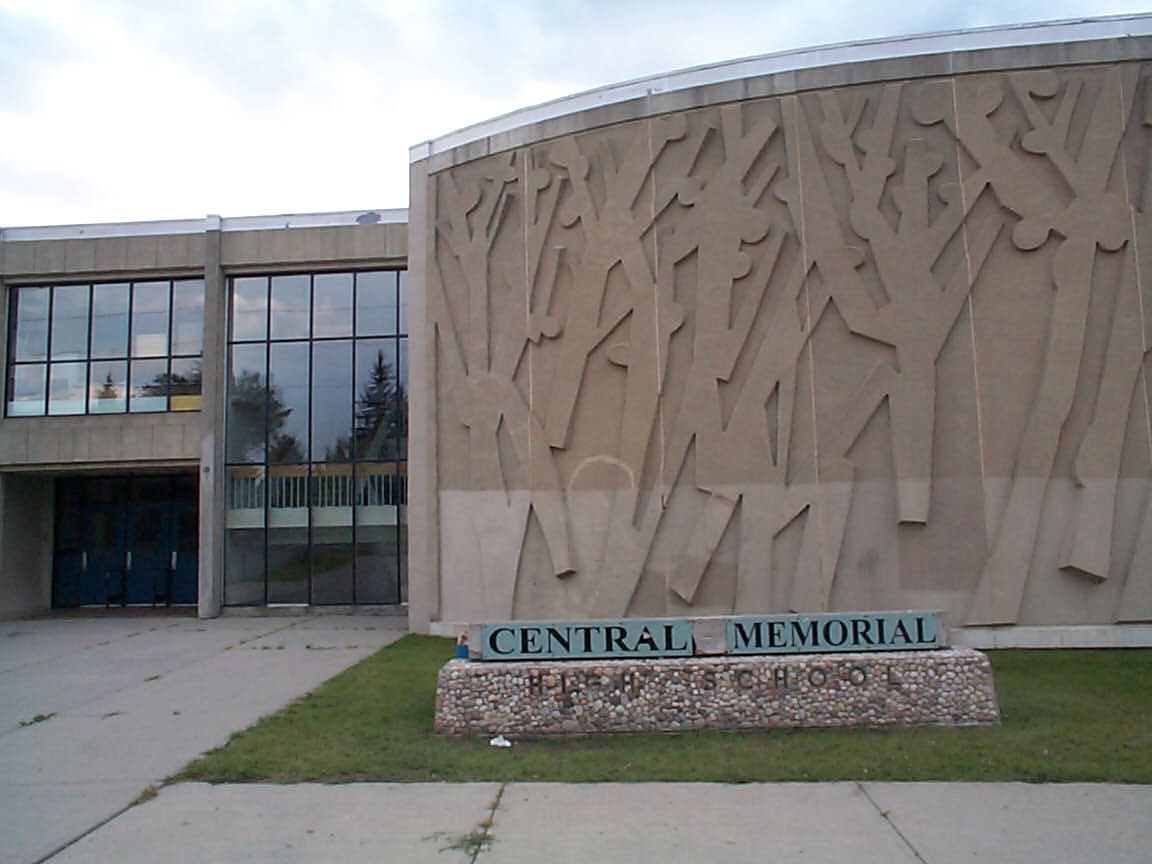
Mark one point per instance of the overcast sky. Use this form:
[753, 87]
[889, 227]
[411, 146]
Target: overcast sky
[115, 110]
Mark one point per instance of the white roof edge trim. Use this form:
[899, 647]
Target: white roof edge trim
[315, 220]
[384, 216]
[103, 229]
[945, 42]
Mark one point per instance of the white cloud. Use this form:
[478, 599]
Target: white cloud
[128, 109]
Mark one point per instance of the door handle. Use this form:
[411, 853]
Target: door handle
[172, 560]
[128, 560]
[84, 560]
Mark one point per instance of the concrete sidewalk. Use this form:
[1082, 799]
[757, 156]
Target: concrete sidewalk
[93, 710]
[518, 823]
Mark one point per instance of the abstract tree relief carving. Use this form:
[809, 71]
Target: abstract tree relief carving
[879, 346]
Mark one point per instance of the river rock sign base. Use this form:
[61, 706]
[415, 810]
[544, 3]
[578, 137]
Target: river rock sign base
[952, 687]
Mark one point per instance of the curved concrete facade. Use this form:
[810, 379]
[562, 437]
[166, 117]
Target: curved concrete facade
[858, 328]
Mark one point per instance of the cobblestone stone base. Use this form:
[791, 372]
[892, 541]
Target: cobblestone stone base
[951, 687]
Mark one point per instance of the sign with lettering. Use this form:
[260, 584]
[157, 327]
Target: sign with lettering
[587, 640]
[816, 634]
[635, 638]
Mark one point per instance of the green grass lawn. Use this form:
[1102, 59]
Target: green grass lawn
[1067, 716]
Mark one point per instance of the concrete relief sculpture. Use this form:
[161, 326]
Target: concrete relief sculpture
[876, 347]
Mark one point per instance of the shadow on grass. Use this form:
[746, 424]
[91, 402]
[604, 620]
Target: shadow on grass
[1068, 716]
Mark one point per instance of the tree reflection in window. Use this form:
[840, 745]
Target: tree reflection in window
[381, 413]
[181, 388]
[252, 402]
[171, 382]
[109, 390]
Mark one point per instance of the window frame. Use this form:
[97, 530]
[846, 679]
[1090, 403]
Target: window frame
[391, 465]
[43, 406]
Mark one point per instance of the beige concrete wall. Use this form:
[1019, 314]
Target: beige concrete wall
[130, 440]
[111, 257]
[323, 248]
[265, 249]
[25, 544]
[868, 344]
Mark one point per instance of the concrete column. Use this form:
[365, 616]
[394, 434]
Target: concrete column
[25, 544]
[25, 523]
[423, 524]
[214, 372]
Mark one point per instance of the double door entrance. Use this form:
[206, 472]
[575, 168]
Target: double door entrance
[126, 541]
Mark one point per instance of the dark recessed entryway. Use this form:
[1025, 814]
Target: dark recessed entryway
[126, 541]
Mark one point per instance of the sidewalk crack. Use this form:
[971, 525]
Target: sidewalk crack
[147, 794]
[886, 816]
[484, 829]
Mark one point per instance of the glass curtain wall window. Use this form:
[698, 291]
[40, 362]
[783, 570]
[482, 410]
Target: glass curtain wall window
[316, 439]
[105, 348]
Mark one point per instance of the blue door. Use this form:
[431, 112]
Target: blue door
[126, 541]
[149, 549]
[69, 580]
[185, 558]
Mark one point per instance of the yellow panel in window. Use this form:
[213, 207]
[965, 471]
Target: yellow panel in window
[186, 403]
